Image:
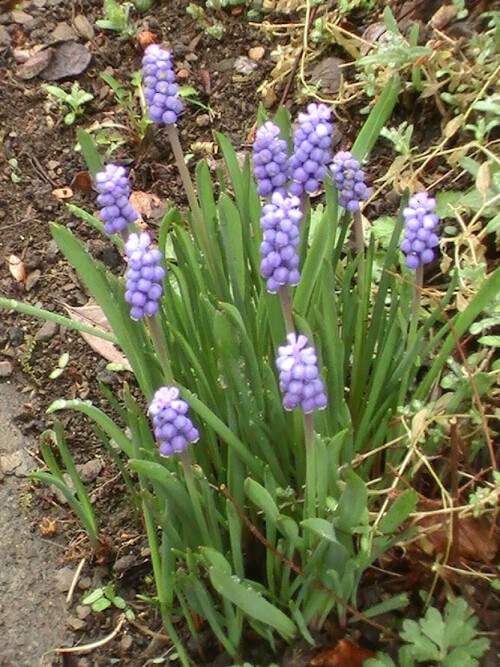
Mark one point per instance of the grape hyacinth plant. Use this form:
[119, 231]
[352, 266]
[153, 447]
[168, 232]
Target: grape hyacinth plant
[420, 238]
[113, 187]
[144, 275]
[269, 160]
[279, 222]
[298, 375]
[244, 330]
[349, 181]
[173, 429]
[160, 87]
[312, 141]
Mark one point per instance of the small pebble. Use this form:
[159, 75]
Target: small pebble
[5, 38]
[203, 120]
[5, 369]
[256, 53]
[75, 623]
[124, 563]
[82, 611]
[89, 471]
[47, 331]
[64, 579]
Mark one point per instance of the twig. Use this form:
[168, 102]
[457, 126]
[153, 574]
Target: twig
[75, 580]
[86, 648]
[455, 524]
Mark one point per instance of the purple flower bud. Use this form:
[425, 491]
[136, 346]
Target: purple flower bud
[298, 375]
[349, 181]
[144, 275]
[311, 149]
[420, 237]
[113, 187]
[172, 427]
[279, 222]
[160, 88]
[269, 160]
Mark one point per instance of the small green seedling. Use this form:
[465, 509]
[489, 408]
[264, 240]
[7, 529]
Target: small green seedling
[116, 18]
[75, 100]
[103, 597]
[61, 365]
[14, 173]
[130, 100]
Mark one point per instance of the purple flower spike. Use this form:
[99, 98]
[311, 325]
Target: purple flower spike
[349, 181]
[144, 275]
[114, 192]
[311, 149]
[172, 427]
[299, 381]
[280, 225]
[420, 236]
[269, 160]
[160, 87]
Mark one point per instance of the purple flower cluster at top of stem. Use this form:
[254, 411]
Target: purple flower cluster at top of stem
[298, 375]
[144, 275]
[420, 238]
[311, 149]
[349, 181]
[160, 87]
[279, 222]
[172, 427]
[113, 187]
[269, 160]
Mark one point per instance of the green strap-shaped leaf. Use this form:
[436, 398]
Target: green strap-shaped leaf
[400, 509]
[105, 422]
[252, 603]
[261, 497]
[89, 151]
[378, 117]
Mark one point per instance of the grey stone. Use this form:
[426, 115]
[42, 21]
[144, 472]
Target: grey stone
[5, 369]
[89, 471]
[64, 579]
[47, 331]
[5, 38]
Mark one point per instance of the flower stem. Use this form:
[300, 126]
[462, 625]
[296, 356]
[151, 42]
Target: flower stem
[286, 307]
[310, 494]
[161, 349]
[415, 305]
[199, 224]
[360, 247]
[195, 499]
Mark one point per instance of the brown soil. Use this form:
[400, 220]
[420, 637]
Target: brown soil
[33, 133]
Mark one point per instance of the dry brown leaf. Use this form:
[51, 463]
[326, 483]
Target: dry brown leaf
[483, 179]
[476, 541]
[453, 126]
[144, 202]
[32, 279]
[16, 268]
[82, 181]
[344, 654]
[92, 314]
